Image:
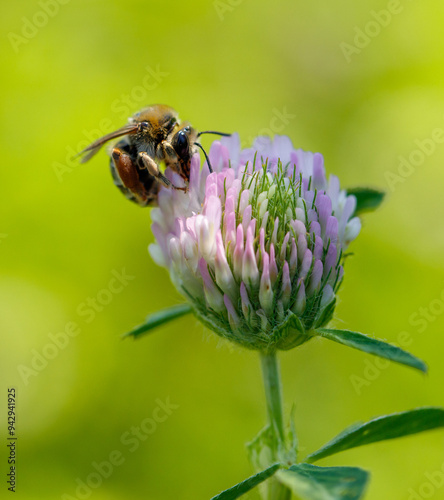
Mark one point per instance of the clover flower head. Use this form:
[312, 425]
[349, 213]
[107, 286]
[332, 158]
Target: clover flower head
[257, 245]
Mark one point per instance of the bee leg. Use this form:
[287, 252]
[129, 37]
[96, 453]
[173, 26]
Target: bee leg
[130, 182]
[153, 169]
[166, 151]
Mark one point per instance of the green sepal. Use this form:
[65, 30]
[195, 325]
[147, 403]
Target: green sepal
[368, 199]
[290, 333]
[262, 449]
[248, 484]
[372, 346]
[292, 437]
[326, 315]
[159, 318]
[382, 428]
[310, 482]
[222, 328]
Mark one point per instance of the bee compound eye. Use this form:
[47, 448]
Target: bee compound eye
[143, 126]
[181, 143]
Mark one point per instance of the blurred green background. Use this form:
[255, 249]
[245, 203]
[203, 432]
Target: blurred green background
[231, 65]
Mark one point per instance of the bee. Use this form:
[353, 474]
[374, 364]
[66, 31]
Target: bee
[154, 134]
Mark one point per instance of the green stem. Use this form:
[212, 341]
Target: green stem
[273, 396]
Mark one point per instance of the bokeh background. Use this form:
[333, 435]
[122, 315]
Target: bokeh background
[305, 69]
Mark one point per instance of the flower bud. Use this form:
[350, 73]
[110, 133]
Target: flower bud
[265, 289]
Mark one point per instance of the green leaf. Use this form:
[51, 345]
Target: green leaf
[367, 199]
[247, 485]
[310, 482]
[382, 428]
[372, 346]
[159, 318]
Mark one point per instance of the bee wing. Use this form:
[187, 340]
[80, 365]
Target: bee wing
[94, 147]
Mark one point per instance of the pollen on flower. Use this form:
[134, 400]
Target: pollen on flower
[257, 245]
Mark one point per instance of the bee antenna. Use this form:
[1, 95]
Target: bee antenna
[206, 157]
[213, 132]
